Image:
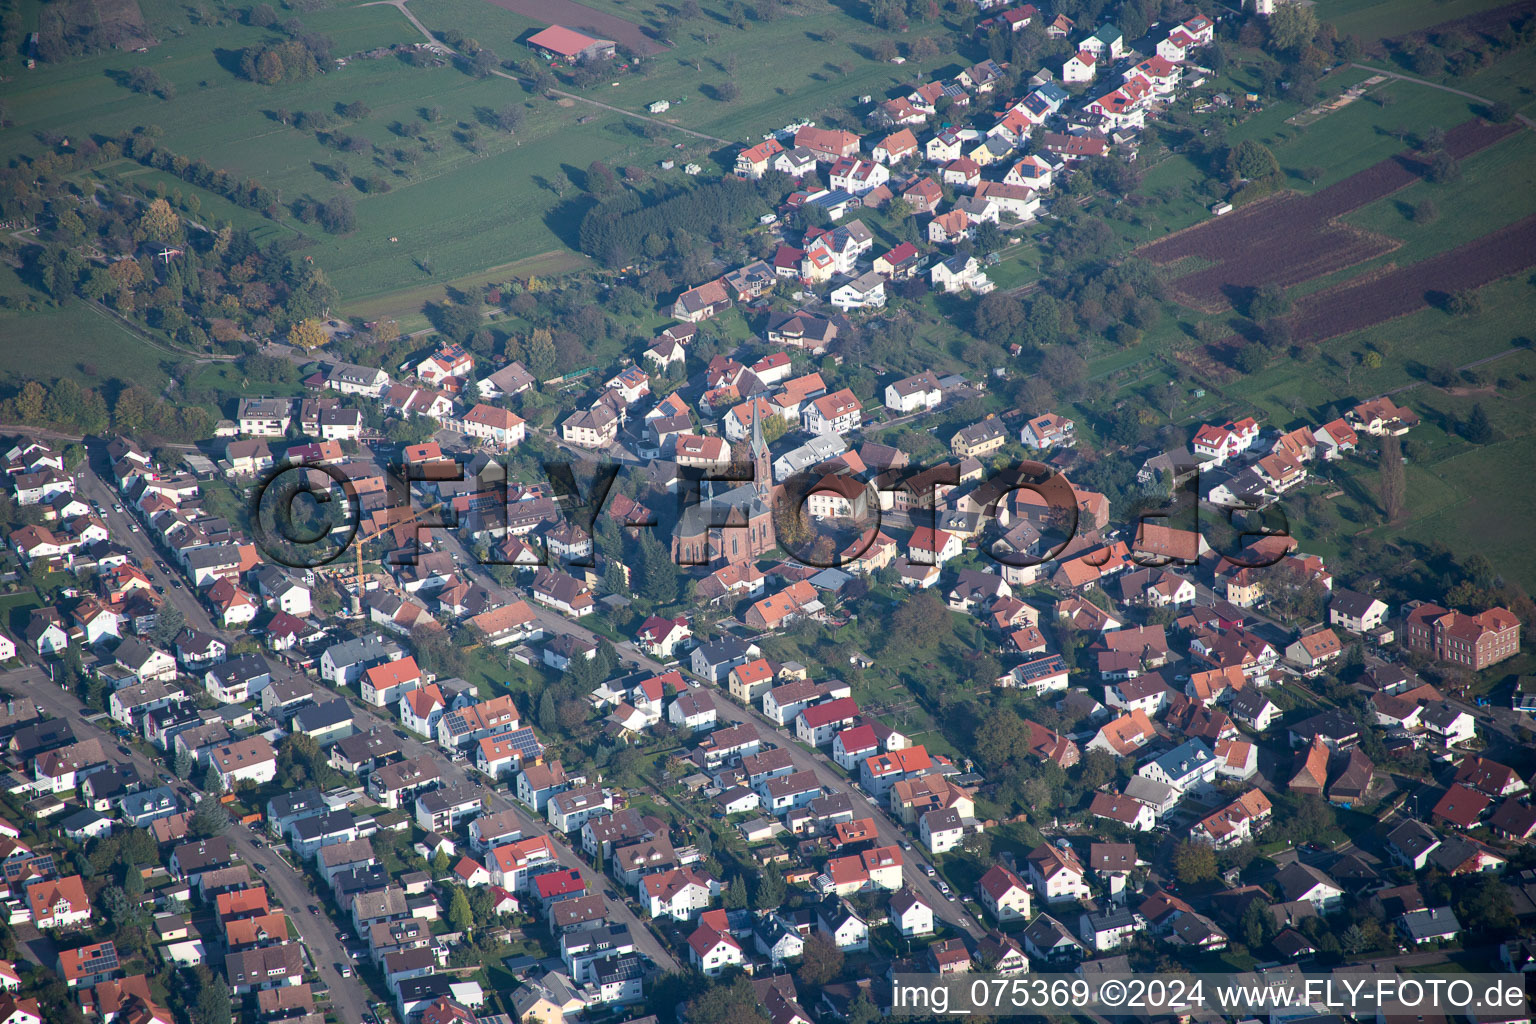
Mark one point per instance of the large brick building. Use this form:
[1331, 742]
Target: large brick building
[1475, 641]
[735, 526]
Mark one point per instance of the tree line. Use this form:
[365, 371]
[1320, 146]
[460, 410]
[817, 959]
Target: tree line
[301, 56]
[141, 145]
[614, 229]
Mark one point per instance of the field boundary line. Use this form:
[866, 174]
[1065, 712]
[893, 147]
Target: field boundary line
[1443, 88]
[129, 327]
[399, 5]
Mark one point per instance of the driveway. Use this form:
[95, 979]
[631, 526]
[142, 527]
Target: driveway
[348, 996]
[828, 775]
[646, 941]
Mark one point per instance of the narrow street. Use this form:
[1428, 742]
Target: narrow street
[646, 941]
[828, 775]
[330, 953]
[348, 995]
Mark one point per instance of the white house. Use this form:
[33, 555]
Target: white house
[694, 711]
[680, 893]
[1188, 766]
[1450, 724]
[1358, 613]
[1056, 873]
[1004, 894]
[960, 273]
[864, 292]
[712, 948]
[941, 830]
[1079, 68]
[248, 760]
[917, 393]
[501, 428]
[929, 546]
[910, 914]
[839, 922]
[837, 413]
[1300, 881]
[820, 723]
[421, 709]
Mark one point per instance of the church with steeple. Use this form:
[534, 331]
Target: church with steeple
[762, 462]
[733, 520]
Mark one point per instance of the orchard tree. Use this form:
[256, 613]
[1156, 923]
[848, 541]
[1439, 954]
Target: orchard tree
[1291, 27]
[822, 961]
[460, 916]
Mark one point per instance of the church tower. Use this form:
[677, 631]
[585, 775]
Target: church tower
[762, 466]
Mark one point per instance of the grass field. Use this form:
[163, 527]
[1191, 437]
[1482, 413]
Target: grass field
[1455, 494]
[475, 198]
[1509, 80]
[405, 304]
[1340, 144]
[78, 341]
[1497, 188]
[1374, 20]
[785, 69]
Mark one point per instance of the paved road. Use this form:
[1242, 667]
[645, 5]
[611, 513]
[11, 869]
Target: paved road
[834, 780]
[646, 941]
[830, 777]
[289, 885]
[125, 530]
[348, 996]
[828, 774]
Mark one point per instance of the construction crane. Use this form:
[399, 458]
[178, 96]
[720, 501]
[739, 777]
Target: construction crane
[360, 538]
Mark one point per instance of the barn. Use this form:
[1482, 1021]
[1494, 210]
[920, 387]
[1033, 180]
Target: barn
[560, 42]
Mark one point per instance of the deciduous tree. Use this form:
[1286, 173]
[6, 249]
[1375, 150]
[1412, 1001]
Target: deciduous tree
[1194, 862]
[821, 961]
[308, 334]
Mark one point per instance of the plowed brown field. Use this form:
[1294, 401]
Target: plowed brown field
[1293, 238]
[1359, 304]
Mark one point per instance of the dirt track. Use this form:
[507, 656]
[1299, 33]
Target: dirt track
[571, 14]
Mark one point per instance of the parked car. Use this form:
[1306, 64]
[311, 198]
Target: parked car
[928, 870]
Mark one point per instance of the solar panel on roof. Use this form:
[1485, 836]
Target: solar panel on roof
[105, 958]
[524, 742]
